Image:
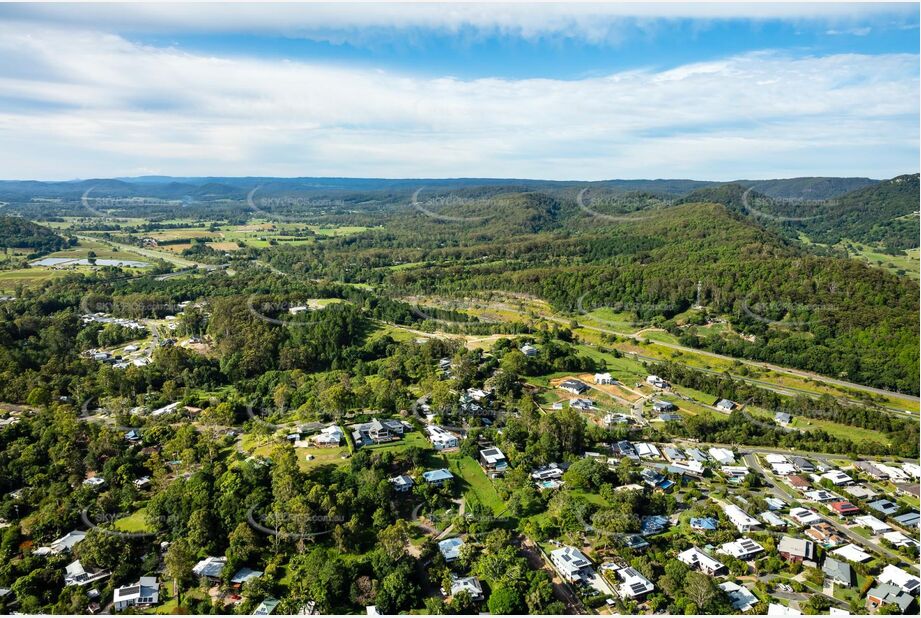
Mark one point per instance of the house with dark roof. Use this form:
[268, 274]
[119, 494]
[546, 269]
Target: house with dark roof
[144, 593]
[576, 387]
[839, 572]
[376, 431]
[909, 520]
[493, 460]
[887, 594]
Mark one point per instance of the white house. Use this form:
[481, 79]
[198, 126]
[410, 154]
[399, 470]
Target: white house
[722, 455]
[144, 593]
[470, 585]
[837, 477]
[402, 483]
[897, 577]
[739, 518]
[804, 517]
[441, 439]
[210, 567]
[852, 552]
[450, 548]
[741, 598]
[743, 549]
[724, 405]
[329, 436]
[633, 585]
[697, 559]
[528, 350]
[572, 564]
[76, 575]
[875, 525]
[656, 381]
[604, 378]
[646, 450]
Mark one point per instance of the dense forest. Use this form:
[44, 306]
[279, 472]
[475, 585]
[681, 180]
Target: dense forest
[20, 233]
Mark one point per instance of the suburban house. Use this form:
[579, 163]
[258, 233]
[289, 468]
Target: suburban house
[493, 460]
[581, 404]
[244, 575]
[821, 495]
[633, 584]
[548, 472]
[377, 431]
[844, 508]
[908, 520]
[805, 517]
[604, 378]
[697, 559]
[670, 417]
[572, 564]
[402, 484]
[528, 350]
[825, 534]
[897, 577]
[802, 464]
[450, 548]
[886, 507]
[210, 568]
[797, 482]
[724, 405]
[267, 606]
[704, 524]
[76, 575]
[329, 436]
[783, 418]
[853, 553]
[887, 594]
[437, 477]
[839, 572]
[470, 585]
[721, 455]
[741, 598]
[656, 381]
[576, 387]
[646, 450]
[796, 550]
[65, 543]
[837, 477]
[441, 439]
[740, 519]
[871, 470]
[144, 593]
[663, 406]
[743, 549]
[773, 520]
[876, 526]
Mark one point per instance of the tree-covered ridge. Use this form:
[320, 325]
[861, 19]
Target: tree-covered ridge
[19, 233]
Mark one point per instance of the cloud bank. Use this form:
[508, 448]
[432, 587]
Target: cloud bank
[79, 103]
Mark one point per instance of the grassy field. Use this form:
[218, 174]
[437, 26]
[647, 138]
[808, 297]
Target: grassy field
[134, 522]
[476, 481]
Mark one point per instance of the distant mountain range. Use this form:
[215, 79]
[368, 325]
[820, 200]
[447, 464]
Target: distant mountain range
[209, 188]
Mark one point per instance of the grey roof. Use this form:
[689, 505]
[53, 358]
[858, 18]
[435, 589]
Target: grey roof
[839, 571]
[909, 519]
[890, 594]
[886, 507]
[796, 547]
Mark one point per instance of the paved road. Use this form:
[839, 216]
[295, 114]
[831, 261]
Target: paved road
[851, 536]
[796, 372]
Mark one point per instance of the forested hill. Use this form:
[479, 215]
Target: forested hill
[19, 233]
[831, 315]
[883, 215]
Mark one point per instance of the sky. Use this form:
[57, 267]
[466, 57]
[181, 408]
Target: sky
[710, 91]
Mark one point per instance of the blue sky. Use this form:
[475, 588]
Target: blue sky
[709, 91]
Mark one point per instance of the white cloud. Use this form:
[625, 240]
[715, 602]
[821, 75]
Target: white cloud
[82, 103]
[596, 22]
